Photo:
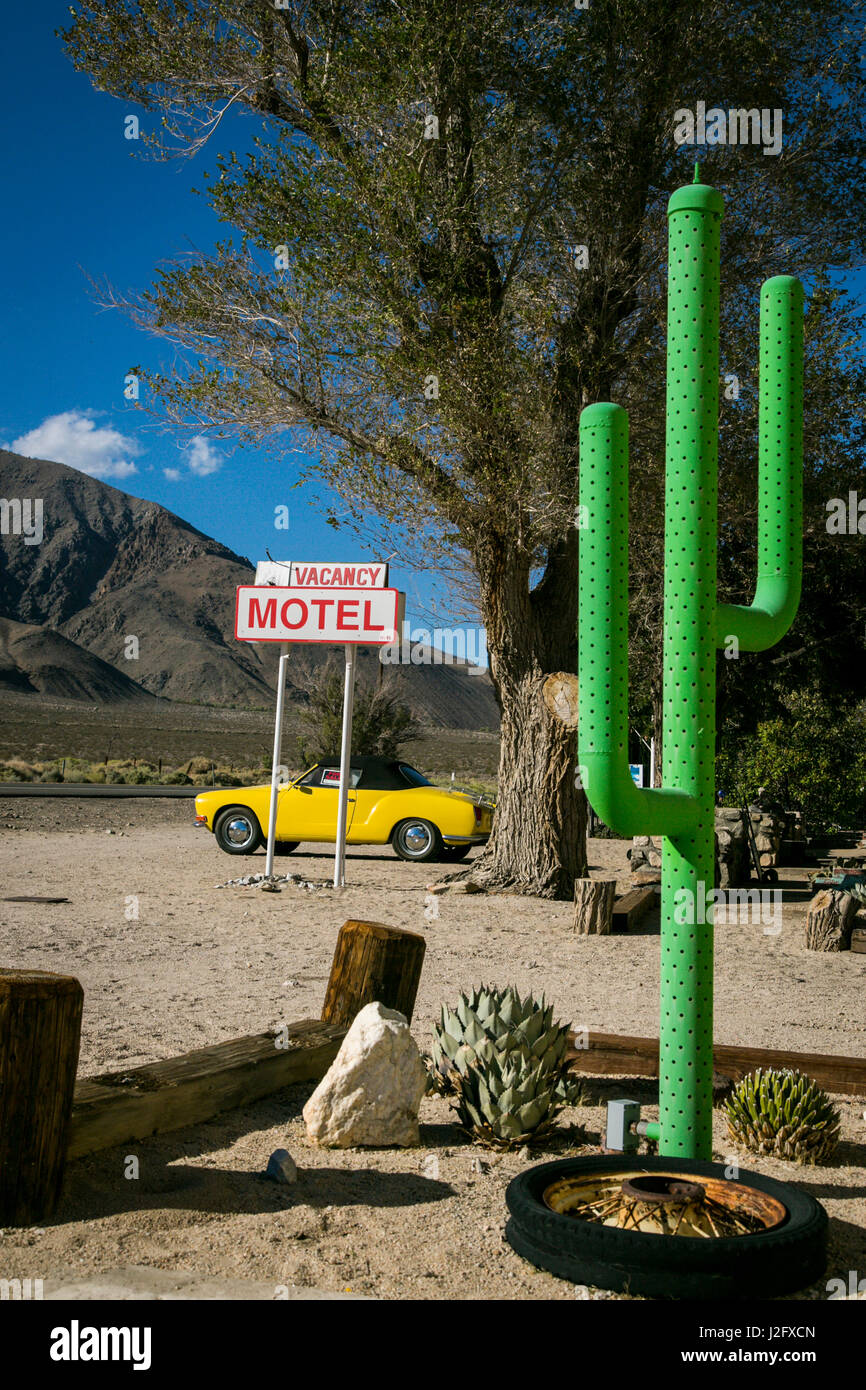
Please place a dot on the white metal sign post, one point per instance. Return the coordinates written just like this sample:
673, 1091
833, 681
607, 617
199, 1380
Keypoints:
345, 768
293, 602
276, 765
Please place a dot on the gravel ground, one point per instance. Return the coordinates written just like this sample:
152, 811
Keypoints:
169, 961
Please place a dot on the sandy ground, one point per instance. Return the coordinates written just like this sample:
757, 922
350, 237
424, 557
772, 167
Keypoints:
170, 962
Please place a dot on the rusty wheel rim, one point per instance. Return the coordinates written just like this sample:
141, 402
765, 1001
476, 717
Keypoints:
671, 1204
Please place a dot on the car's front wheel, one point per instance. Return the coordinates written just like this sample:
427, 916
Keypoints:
417, 839
237, 831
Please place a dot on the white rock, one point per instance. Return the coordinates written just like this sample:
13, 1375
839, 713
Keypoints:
370, 1095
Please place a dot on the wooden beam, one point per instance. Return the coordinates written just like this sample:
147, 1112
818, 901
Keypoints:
610, 1054
40, 1027
373, 963
631, 907
131, 1104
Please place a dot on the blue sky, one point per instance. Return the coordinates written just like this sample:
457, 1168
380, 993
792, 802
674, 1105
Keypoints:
81, 203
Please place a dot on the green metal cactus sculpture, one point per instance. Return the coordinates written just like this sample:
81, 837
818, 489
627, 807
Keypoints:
695, 623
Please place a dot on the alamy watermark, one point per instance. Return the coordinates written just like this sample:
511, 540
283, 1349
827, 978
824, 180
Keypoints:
441, 647
846, 517
739, 126
22, 516
731, 906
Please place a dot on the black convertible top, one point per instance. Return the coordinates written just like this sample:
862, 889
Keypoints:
380, 774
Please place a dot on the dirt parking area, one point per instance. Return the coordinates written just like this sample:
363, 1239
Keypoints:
171, 961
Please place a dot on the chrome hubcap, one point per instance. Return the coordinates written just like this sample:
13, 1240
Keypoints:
416, 838
239, 831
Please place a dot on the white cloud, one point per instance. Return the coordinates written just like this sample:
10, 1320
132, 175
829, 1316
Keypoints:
173, 474
202, 457
74, 439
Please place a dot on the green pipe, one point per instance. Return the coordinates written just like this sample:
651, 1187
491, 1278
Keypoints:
682, 812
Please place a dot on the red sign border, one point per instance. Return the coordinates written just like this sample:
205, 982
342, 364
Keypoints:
278, 590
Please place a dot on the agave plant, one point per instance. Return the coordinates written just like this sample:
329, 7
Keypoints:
503, 1059
783, 1113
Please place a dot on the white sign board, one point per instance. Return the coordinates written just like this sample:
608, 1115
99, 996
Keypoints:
295, 574
368, 617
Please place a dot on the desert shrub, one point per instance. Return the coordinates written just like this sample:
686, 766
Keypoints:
177, 778
19, 771
224, 778
381, 724
196, 767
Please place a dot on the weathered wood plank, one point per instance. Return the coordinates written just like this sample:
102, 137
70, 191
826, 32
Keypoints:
611, 1054
136, 1102
373, 963
632, 907
40, 1027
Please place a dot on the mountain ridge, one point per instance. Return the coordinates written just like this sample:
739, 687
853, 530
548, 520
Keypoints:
111, 567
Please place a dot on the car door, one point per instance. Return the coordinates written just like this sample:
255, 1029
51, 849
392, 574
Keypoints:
307, 810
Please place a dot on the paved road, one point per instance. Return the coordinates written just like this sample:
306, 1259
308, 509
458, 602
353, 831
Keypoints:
93, 789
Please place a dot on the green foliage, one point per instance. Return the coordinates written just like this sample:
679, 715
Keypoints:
381, 725
783, 1113
809, 759
503, 1059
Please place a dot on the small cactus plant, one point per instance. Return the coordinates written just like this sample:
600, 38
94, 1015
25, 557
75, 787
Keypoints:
785, 1114
504, 1060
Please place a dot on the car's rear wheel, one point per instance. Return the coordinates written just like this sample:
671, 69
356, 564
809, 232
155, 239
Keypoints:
237, 831
451, 853
285, 846
418, 840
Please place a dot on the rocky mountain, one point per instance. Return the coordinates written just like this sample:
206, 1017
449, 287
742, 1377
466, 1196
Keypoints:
40, 660
110, 567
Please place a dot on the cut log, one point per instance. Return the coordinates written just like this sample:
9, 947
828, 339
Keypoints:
632, 907
829, 921
373, 963
593, 906
134, 1103
611, 1054
40, 1031
559, 693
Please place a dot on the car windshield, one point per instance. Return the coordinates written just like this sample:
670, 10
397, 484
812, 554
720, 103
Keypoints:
414, 776
322, 776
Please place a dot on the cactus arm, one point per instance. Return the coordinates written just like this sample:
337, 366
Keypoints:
603, 639
780, 476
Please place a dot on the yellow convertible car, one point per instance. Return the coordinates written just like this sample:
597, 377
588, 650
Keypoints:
389, 803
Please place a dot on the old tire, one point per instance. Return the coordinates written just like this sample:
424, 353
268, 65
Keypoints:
782, 1260
237, 830
417, 840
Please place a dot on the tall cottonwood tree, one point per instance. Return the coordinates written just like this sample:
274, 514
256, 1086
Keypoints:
449, 239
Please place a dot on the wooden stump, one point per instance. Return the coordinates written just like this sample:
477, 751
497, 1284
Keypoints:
593, 906
373, 962
829, 921
559, 693
40, 1030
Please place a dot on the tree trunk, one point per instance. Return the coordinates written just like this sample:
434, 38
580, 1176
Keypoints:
593, 906
538, 844
829, 921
